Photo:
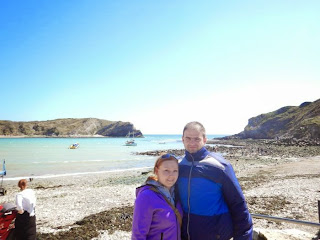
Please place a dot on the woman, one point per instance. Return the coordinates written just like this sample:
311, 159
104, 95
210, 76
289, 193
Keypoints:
25, 223
157, 215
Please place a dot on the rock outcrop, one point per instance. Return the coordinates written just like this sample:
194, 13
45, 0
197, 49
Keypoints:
291, 122
68, 127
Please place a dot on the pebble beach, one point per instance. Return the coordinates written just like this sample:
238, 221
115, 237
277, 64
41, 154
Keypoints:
283, 186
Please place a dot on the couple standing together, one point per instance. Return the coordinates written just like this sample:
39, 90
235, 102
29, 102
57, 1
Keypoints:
198, 199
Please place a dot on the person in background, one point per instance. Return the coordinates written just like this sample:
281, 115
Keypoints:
157, 214
25, 223
213, 203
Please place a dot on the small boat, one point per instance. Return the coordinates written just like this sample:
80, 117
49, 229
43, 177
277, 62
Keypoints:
130, 142
74, 146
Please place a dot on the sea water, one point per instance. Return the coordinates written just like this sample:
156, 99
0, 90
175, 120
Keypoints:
45, 157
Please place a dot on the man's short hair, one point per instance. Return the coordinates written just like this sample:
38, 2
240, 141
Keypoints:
197, 126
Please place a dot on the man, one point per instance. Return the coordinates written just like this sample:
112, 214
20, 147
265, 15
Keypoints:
212, 200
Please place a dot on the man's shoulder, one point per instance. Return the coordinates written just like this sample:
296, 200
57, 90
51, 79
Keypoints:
213, 160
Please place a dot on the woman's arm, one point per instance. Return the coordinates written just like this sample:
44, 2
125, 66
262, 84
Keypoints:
142, 216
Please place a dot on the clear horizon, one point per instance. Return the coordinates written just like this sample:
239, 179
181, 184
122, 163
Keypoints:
158, 65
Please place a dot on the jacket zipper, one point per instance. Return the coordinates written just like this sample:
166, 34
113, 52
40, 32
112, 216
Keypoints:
161, 236
189, 193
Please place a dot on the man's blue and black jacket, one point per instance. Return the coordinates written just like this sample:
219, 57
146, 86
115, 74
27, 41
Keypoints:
212, 200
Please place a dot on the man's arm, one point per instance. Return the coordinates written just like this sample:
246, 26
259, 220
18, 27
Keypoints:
241, 218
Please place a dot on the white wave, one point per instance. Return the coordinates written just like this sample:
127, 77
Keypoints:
70, 161
75, 174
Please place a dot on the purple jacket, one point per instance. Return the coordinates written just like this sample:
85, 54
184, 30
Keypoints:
153, 218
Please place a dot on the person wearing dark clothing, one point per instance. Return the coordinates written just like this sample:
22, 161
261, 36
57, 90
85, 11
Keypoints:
25, 223
213, 203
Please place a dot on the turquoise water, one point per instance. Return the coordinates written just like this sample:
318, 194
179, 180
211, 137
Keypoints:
46, 157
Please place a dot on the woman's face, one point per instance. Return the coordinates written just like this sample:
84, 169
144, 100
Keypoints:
167, 173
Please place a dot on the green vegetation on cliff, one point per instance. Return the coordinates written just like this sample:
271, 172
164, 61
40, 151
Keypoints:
299, 122
68, 127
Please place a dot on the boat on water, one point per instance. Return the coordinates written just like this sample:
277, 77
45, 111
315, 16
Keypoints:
74, 146
130, 142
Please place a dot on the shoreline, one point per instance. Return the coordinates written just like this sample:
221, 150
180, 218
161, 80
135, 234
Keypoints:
74, 174
63, 136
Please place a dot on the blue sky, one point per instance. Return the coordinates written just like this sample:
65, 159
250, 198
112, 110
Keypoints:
157, 64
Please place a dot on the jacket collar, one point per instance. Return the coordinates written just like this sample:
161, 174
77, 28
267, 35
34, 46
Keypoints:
169, 194
197, 156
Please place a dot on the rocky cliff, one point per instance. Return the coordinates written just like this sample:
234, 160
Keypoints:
291, 122
68, 127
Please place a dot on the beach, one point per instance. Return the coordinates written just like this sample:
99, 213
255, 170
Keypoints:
62, 201
99, 205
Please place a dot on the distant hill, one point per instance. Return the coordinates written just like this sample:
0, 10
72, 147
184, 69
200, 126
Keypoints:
298, 122
68, 127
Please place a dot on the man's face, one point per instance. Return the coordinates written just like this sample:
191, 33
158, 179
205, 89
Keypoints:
193, 140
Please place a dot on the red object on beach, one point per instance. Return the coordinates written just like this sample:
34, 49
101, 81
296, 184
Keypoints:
7, 216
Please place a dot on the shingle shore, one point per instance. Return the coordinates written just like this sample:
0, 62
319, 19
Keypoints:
278, 185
